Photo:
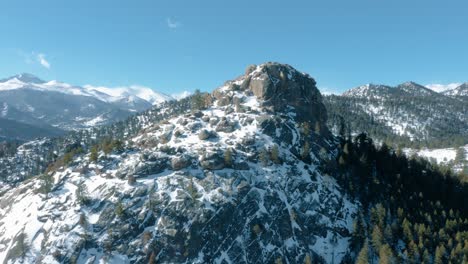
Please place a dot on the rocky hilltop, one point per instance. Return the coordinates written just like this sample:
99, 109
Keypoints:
235, 176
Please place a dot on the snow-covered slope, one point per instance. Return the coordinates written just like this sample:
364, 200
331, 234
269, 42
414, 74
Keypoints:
28, 81
440, 88
459, 91
441, 156
132, 92
27, 99
406, 113
226, 184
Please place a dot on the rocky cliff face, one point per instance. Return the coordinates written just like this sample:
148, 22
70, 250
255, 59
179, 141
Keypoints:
238, 181
281, 88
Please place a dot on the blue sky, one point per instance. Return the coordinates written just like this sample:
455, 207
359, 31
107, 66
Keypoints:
175, 45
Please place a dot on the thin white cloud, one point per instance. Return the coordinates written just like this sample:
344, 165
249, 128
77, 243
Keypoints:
436, 87
173, 24
42, 60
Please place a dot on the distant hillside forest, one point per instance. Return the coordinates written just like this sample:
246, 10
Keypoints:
429, 125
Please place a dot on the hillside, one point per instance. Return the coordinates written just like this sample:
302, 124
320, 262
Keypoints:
409, 115
248, 173
13, 130
30, 101
229, 183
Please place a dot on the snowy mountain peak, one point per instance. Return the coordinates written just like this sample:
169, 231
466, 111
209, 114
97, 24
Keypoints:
411, 84
367, 90
378, 90
105, 94
415, 88
134, 91
56, 104
25, 78
461, 90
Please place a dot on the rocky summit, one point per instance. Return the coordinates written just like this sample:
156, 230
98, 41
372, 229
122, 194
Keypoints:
235, 176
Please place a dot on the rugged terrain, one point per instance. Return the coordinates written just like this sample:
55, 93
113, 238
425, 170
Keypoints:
51, 108
236, 176
409, 115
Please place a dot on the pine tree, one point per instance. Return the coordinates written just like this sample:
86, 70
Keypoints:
318, 128
346, 148
81, 193
377, 238
426, 257
263, 157
93, 157
21, 247
342, 128
460, 157
305, 152
305, 129
68, 158
47, 183
407, 230
107, 146
439, 254
274, 153
152, 258
192, 190
83, 221
363, 256
119, 209
341, 160
118, 145
386, 255
359, 234
131, 179
378, 215
228, 157
198, 100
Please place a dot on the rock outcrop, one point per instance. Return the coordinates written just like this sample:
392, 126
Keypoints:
281, 88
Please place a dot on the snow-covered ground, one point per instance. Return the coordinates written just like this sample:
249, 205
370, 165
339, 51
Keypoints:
442, 155
184, 192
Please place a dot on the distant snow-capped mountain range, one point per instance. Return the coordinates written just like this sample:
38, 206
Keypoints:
452, 89
105, 94
57, 106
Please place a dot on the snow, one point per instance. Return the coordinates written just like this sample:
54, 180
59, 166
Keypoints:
95, 121
332, 247
439, 88
141, 92
101, 93
181, 95
11, 84
35, 214
442, 155
4, 109
461, 90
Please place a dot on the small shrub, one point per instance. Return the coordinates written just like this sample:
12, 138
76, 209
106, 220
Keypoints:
131, 180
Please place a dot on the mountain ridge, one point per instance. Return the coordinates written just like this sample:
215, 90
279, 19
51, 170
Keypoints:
27, 99
408, 114
29, 81
225, 179
247, 173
